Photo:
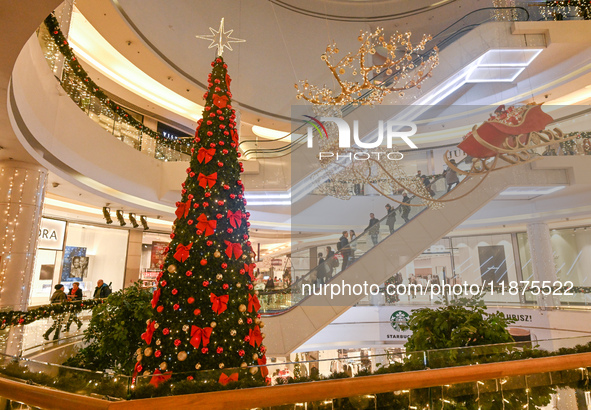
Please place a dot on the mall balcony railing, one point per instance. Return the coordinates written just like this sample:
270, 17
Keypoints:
514, 375
280, 301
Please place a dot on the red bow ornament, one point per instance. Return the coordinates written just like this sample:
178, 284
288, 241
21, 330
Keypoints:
264, 369
253, 302
220, 102
182, 252
235, 218
156, 297
147, 336
199, 335
205, 154
250, 269
228, 81
219, 303
224, 379
233, 248
207, 180
183, 209
206, 226
255, 336
235, 135
159, 377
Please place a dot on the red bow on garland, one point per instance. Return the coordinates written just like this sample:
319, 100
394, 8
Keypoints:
147, 336
228, 81
219, 303
253, 302
206, 226
156, 297
207, 180
250, 269
199, 335
264, 369
233, 248
220, 102
235, 218
255, 336
182, 252
224, 379
205, 154
159, 377
183, 209
235, 135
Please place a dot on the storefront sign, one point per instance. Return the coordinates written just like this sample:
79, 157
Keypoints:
391, 320
52, 234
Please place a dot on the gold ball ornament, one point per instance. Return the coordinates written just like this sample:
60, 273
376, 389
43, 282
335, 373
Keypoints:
171, 268
158, 342
139, 357
257, 321
233, 332
217, 254
239, 285
263, 335
213, 324
221, 366
244, 256
163, 366
262, 324
243, 365
252, 255
240, 321
198, 366
156, 325
148, 351
182, 356
219, 276
138, 351
147, 373
185, 328
242, 308
255, 356
254, 370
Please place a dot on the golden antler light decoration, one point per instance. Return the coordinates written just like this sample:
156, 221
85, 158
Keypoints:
403, 65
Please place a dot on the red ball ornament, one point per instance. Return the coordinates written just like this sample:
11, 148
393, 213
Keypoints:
242, 271
176, 306
240, 352
247, 338
226, 133
212, 145
219, 112
222, 142
221, 118
199, 231
209, 133
224, 265
174, 291
190, 300
203, 262
224, 151
189, 273
163, 283
232, 196
249, 321
159, 309
217, 81
220, 202
239, 155
190, 222
219, 216
220, 164
158, 353
177, 342
206, 204
190, 196
165, 331
204, 350
190, 378
172, 236
209, 122
219, 350
249, 286
209, 243
205, 283
230, 230
195, 205
211, 114
245, 236
226, 187
225, 286
207, 194
197, 312
222, 127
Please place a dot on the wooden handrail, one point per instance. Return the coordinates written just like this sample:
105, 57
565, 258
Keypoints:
299, 392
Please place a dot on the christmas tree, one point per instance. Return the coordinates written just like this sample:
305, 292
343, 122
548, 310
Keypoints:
205, 310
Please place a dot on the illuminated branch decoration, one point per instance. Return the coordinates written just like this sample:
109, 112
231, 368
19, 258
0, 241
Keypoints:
404, 66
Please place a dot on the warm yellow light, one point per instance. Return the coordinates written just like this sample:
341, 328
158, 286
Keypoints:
271, 133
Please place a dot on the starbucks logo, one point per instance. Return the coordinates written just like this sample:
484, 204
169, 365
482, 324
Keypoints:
399, 318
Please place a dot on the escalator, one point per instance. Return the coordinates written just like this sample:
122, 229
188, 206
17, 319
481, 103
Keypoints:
300, 315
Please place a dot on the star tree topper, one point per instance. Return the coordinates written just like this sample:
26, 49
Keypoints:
221, 39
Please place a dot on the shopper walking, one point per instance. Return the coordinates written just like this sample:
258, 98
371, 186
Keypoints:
74, 295
352, 245
373, 229
331, 262
451, 176
390, 217
404, 207
343, 247
58, 296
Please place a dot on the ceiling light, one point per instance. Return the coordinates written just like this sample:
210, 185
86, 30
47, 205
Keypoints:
120, 217
107, 215
271, 133
133, 220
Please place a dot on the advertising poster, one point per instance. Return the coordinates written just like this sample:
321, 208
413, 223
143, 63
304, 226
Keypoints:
158, 254
74, 264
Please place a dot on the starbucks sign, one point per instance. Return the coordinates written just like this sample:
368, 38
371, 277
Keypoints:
398, 319
391, 320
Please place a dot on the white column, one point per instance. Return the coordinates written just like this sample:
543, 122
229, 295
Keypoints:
542, 259
22, 190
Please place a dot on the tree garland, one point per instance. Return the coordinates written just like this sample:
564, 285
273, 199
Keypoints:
16, 317
70, 59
